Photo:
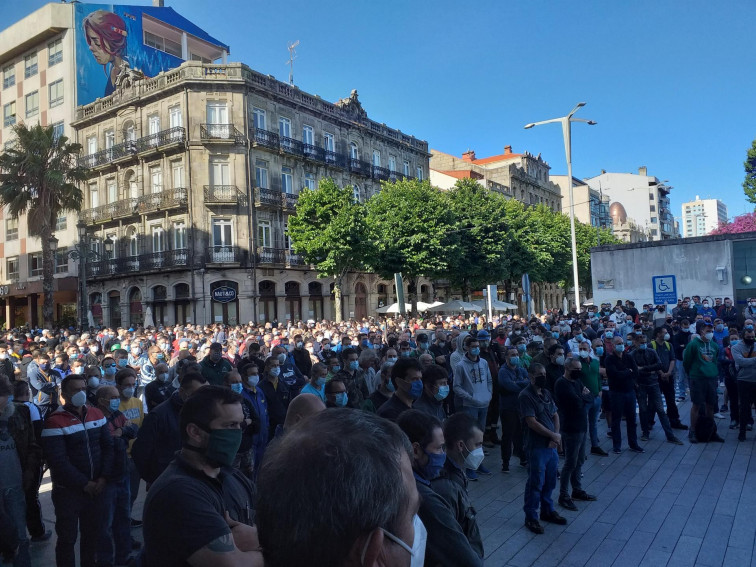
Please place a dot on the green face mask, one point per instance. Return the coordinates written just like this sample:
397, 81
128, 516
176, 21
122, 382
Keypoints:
222, 447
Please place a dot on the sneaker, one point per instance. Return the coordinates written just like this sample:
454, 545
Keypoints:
679, 425
675, 441
566, 502
534, 526
471, 474
617, 451
505, 469
136, 523
644, 437
40, 538
599, 451
692, 439
719, 415
583, 495
637, 450
609, 434
734, 424
484, 471
553, 517
724, 409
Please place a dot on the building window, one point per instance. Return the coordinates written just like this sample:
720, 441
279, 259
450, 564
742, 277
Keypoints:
32, 104
177, 173
261, 174
9, 76
54, 52
153, 124
133, 243
179, 235
650, 196
309, 181
9, 114
308, 135
61, 223
259, 118
35, 264
158, 239
56, 93
354, 151
58, 130
11, 229
222, 232
94, 197
156, 180
419, 173
329, 142
287, 180
376, 158
653, 220
219, 173
92, 145
162, 44
174, 117
11, 268
263, 234
392, 164
356, 193
284, 131
30, 65
112, 190
406, 169
652, 208
61, 261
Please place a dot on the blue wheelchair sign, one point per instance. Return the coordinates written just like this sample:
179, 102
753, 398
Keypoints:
665, 290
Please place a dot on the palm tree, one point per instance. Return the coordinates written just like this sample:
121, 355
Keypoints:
39, 177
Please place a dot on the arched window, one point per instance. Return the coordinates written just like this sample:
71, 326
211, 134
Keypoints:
354, 151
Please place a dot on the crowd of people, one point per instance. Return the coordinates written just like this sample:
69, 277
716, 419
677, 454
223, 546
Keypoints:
322, 443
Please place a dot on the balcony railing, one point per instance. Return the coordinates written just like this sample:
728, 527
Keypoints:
165, 259
313, 152
221, 133
266, 255
152, 202
143, 262
265, 138
224, 194
333, 158
381, 173
293, 259
175, 135
267, 197
360, 167
291, 146
289, 201
113, 153
224, 255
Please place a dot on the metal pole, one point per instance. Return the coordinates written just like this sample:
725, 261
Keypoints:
83, 277
566, 131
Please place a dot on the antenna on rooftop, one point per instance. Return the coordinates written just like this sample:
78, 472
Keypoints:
290, 62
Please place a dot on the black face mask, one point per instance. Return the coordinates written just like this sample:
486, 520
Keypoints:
541, 382
749, 341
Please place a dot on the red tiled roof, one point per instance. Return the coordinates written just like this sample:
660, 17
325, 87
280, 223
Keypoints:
494, 159
462, 173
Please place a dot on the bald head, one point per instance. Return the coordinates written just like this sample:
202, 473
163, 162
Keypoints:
301, 407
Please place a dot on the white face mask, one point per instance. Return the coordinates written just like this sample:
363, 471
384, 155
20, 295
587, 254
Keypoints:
417, 551
474, 458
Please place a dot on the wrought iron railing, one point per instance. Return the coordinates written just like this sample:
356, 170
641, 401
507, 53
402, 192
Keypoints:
265, 138
289, 201
224, 255
221, 132
267, 197
221, 194
291, 146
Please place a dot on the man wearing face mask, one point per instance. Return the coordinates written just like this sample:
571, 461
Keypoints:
700, 362
555, 366
512, 379
159, 436
290, 374
354, 378
148, 372
473, 384
406, 378
385, 388
435, 391
744, 358
160, 389
464, 450
573, 400
336, 395
199, 512
250, 425
706, 310
541, 442
44, 381
591, 378
256, 398
133, 410
666, 374
214, 366
79, 451
622, 373
447, 544
301, 356
317, 382
680, 340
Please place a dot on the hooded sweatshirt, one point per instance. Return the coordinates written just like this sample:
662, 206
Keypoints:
473, 383
454, 359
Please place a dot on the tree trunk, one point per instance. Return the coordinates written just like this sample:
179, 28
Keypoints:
337, 300
412, 291
465, 289
48, 270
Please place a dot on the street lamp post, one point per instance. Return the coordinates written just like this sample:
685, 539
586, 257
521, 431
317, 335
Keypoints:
83, 253
566, 122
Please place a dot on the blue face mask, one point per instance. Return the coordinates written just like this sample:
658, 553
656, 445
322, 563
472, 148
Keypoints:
619, 348
275, 371
341, 399
354, 365
114, 404
521, 348
475, 351
555, 334
748, 327
609, 334
599, 351
416, 389
423, 346
435, 463
122, 363
110, 370
406, 353
734, 342
515, 360
642, 346
443, 391
336, 369
237, 387
320, 381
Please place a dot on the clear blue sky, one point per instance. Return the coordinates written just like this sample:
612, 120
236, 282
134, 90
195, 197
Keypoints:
670, 83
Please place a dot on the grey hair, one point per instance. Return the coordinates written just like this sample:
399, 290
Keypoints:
368, 355
354, 485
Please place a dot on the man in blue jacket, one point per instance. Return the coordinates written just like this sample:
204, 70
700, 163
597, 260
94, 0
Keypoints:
79, 451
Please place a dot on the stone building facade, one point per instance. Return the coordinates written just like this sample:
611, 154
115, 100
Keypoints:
194, 174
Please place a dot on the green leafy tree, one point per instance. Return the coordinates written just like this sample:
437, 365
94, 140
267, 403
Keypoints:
749, 184
586, 238
412, 231
39, 178
488, 252
329, 231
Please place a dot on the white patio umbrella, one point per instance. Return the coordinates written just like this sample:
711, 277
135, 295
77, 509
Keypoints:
393, 308
148, 321
455, 305
495, 305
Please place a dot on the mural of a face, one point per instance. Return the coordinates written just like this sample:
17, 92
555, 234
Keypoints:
100, 55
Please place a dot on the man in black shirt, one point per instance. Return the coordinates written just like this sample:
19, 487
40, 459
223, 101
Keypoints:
407, 379
622, 373
199, 512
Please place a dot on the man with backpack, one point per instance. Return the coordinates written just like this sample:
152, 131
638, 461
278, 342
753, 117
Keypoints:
700, 363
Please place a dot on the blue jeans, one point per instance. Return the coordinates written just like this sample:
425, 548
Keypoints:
593, 412
623, 404
650, 403
13, 524
75, 512
574, 457
114, 545
479, 415
542, 472
681, 379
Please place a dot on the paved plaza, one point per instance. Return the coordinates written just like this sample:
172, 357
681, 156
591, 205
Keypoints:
674, 506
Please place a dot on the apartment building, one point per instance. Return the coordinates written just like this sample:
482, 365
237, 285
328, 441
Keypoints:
702, 216
194, 174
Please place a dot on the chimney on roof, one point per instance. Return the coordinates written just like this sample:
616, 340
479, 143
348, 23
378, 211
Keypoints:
603, 171
158, 3
507, 150
643, 170
469, 155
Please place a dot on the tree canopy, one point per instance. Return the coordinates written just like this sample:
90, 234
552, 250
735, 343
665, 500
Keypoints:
749, 183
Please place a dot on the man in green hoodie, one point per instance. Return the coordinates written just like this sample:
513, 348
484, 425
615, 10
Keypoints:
700, 363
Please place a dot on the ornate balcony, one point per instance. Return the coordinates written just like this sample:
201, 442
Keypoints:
266, 255
293, 259
176, 135
359, 167
221, 133
111, 211
224, 255
166, 260
164, 200
381, 173
289, 201
313, 152
267, 198
109, 155
334, 159
291, 146
264, 138
224, 195
150, 203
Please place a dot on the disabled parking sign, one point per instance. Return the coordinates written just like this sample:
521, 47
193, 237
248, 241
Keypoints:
665, 290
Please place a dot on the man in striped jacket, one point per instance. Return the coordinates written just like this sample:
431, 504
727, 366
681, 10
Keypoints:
79, 451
